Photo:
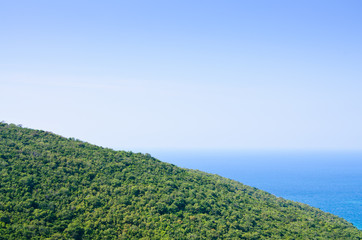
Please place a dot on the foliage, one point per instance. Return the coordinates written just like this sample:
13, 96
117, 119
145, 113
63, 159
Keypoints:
52, 187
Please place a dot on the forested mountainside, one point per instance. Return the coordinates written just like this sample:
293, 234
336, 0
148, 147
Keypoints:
52, 187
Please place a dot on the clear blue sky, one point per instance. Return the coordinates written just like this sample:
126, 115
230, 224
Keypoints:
143, 75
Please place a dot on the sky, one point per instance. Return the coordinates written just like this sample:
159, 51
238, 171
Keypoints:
226, 75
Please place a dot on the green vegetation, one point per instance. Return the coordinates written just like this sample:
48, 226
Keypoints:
52, 187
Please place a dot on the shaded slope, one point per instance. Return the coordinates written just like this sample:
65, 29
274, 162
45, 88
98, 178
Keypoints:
58, 188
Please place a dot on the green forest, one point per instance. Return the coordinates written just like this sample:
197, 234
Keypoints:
53, 187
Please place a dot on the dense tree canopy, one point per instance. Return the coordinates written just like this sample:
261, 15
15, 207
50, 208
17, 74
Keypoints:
52, 187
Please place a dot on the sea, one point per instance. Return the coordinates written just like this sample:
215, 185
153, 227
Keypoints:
330, 181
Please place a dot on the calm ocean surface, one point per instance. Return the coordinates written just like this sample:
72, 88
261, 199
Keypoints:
331, 181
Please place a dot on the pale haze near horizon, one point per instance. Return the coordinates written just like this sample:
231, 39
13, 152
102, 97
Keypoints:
142, 75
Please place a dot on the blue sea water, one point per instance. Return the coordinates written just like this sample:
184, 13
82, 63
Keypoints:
330, 181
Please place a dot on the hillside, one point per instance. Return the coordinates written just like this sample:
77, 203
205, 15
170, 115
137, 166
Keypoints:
52, 187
